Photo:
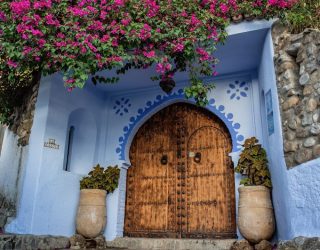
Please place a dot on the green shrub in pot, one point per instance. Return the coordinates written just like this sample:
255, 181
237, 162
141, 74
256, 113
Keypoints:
100, 178
91, 216
253, 164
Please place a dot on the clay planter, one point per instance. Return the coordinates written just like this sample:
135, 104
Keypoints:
91, 216
255, 213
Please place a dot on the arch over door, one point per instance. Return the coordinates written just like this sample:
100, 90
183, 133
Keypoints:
181, 182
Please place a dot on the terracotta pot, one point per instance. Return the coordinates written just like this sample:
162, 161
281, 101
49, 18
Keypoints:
91, 216
255, 213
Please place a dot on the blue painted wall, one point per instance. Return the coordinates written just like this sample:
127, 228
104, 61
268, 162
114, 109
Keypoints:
296, 192
104, 128
109, 121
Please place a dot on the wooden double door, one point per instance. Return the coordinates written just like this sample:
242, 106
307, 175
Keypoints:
181, 182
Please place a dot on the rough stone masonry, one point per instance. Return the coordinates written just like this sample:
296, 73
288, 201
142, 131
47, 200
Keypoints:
297, 63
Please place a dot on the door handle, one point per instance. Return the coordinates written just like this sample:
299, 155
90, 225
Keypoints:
164, 160
197, 157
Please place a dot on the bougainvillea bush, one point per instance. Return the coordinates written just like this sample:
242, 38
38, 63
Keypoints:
82, 37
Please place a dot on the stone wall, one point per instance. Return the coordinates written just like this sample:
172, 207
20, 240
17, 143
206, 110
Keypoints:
297, 63
23, 117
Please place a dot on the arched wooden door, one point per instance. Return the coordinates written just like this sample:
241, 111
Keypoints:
181, 182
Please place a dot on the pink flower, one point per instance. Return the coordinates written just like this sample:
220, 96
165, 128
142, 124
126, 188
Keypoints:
2, 16
12, 64
145, 32
50, 20
83, 50
281, 3
61, 44
125, 22
224, 8
41, 42
204, 55
179, 47
103, 15
36, 32
93, 48
78, 11
184, 14
60, 35
149, 54
42, 4
96, 25
163, 67
92, 9
195, 21
115, 43
119, 2
105, 38
70, 81
20, 7
153, 8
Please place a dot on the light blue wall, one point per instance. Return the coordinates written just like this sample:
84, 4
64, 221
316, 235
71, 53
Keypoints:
304, 189
108, 123
296, 192
273, 143
241, 117
83, 142
50, 195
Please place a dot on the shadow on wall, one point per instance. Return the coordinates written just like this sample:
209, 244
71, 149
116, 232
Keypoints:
80, 142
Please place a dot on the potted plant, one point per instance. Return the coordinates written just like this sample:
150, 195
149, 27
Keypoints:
91, 216
255, 212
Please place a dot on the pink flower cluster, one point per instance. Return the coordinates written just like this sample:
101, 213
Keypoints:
204, 55
282, 3
93, 35
20, 8
145, 32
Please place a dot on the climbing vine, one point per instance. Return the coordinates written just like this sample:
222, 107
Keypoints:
80, 38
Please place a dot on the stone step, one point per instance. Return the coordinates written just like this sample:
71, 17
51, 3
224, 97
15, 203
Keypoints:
32, 242
172, 244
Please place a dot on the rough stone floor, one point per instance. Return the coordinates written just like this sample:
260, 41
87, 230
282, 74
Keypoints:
32, 242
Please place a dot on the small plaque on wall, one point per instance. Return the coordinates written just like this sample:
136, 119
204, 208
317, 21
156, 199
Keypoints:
51, 144
269, 109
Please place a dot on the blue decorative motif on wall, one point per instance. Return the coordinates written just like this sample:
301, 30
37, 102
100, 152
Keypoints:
238, 89
122, 106
219, 111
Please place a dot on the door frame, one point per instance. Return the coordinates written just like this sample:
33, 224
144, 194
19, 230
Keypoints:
126, 164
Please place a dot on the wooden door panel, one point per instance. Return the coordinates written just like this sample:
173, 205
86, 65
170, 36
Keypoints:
180, 197
208, 200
